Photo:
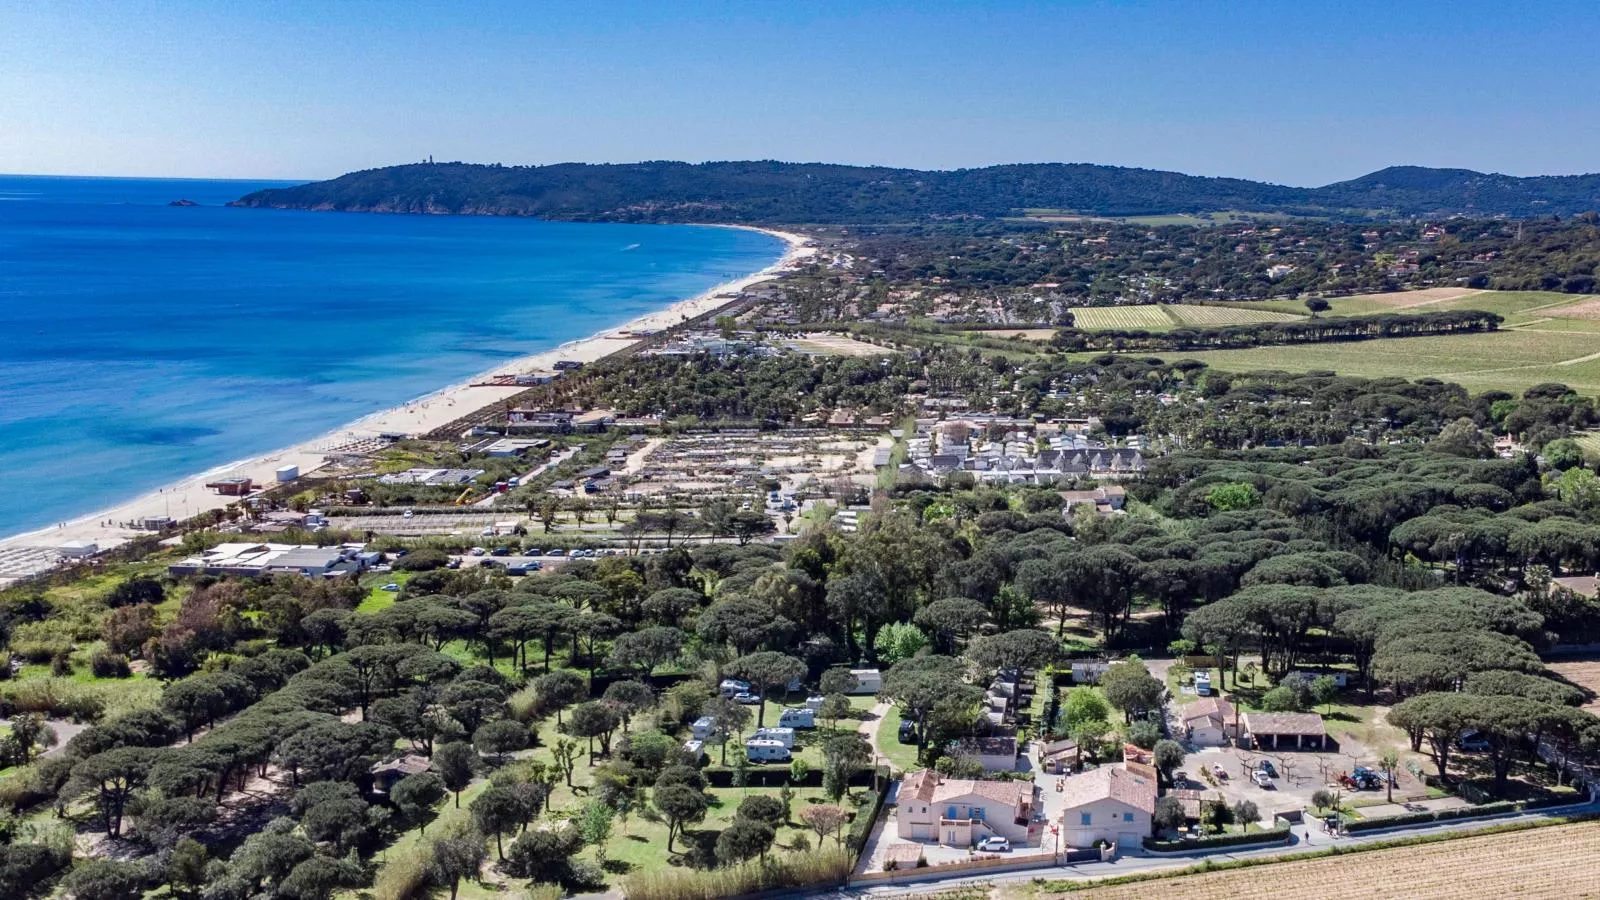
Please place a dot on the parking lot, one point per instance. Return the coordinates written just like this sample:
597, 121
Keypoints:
1299, 775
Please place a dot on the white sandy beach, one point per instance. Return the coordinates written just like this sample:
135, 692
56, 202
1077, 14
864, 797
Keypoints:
190, 497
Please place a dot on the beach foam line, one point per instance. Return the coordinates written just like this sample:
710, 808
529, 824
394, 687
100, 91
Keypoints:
188, 496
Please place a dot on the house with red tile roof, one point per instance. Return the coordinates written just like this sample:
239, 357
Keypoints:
959, 812
1112, 803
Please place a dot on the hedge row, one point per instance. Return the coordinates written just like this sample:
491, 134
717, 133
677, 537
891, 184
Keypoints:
1445, 815
1206, 842
862, 826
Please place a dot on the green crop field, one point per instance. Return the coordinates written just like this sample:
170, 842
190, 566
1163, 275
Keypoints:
1515, 306
1510, 360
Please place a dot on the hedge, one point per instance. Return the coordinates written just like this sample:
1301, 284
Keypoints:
776, 777
1207, 842
861, 828
1459, 812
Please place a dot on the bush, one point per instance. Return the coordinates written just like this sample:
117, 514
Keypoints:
109, 665
40, 642
1275, 833
788, 870
1459, 812
425, 560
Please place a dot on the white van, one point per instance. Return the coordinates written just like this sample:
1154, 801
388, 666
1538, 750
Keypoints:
798, 718
731, 687
814, 702
784, 736
762, 750
703, 728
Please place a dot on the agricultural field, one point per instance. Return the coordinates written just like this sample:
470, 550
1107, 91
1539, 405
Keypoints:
1510, 360
1217, 316
1500, 865
1583, 672
1148, 317
1165, 317
1518, 307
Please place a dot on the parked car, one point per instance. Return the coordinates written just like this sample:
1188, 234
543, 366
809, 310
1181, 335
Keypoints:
454, 563
1266, 766
477, 551
557, 552
533, 552
747, 698
1472, 741
391, 586
500, 551
995, 844
1262, 779
1219, 771
407, 514
908, 732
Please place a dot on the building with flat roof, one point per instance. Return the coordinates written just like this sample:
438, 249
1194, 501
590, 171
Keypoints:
257, 559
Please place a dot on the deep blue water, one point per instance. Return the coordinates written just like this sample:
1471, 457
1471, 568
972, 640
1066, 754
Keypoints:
141, 343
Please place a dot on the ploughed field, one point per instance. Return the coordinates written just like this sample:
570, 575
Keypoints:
1558, 861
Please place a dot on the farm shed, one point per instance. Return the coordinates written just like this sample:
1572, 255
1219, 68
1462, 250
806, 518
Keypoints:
1285, 731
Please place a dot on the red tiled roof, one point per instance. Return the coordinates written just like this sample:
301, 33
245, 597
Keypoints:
929, 786
1110, 783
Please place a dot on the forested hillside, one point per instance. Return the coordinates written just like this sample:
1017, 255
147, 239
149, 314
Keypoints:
766, 191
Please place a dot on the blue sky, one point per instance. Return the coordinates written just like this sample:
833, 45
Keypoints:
1290, 92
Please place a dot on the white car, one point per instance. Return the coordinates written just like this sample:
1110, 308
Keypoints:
391, 586
995, 845
1261, 779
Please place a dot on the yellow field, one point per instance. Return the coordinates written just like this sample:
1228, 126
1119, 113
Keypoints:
1228, 315
1148, 317
1165, 317
1559, 861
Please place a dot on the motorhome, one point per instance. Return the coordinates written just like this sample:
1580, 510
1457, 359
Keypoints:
784, 736
763, 750
798, 718
703, 728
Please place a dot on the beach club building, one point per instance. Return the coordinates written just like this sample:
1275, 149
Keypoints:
253, 560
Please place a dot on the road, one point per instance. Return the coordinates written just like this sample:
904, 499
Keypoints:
1303, 842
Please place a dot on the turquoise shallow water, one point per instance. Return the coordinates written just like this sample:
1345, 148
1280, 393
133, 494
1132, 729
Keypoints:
140, 342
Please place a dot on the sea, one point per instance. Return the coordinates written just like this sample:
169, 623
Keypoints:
141, 342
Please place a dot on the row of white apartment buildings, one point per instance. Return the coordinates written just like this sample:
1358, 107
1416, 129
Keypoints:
1020, 452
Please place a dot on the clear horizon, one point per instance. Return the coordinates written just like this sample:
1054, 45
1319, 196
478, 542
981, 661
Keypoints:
303, 91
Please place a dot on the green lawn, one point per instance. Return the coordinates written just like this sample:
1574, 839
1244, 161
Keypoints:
902, 757
378, 599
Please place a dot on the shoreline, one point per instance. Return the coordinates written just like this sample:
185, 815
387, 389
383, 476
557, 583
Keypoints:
188, 496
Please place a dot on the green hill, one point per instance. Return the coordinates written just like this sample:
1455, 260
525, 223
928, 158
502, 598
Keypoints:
774, 192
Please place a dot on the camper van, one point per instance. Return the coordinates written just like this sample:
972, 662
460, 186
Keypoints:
762, 750
784, 736
1202, 683
798, 718
694, 752
814, 702
703, 728
731, 687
